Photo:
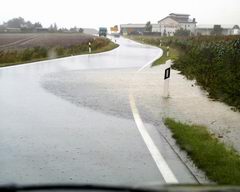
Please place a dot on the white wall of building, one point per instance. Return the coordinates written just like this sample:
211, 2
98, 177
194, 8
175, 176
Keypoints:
156, 28
236, 31
170, 26
189, 26
226, 30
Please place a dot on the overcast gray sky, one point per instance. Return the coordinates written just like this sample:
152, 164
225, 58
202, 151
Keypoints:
95, 13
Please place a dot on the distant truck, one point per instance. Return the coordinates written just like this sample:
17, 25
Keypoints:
102, 31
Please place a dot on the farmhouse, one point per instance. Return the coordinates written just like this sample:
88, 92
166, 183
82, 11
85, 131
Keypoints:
166, 26
174, 21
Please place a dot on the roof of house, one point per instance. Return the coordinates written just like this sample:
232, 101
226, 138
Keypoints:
132, 26
211, 26
204, 27
179, 14
180, 18
229, 26
236, 27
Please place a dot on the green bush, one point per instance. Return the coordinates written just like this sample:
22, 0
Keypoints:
215, 64
214, 61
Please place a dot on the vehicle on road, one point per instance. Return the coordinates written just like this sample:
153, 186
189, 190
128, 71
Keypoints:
102, 31
116, 35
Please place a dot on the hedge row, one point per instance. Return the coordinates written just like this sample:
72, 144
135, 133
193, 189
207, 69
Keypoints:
214, 61
215, 64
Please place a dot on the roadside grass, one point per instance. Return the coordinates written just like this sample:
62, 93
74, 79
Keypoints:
108, 47
20, 63
173, 55
151, 40
220, 163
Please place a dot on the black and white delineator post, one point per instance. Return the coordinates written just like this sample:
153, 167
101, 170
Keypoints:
167, 78
167, 51
89, 47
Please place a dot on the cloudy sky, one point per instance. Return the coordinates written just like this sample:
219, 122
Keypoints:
95, 13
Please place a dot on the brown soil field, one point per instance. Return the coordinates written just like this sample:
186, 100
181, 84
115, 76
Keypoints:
19, 41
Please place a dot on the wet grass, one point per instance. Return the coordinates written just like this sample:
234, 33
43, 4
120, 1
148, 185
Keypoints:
220, 163
173, 55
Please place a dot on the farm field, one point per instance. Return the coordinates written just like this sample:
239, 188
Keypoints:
16, 41
22, 48
7, 39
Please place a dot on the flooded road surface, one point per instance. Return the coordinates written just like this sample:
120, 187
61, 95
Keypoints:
69, 121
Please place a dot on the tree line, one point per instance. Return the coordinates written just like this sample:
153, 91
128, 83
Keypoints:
20, 25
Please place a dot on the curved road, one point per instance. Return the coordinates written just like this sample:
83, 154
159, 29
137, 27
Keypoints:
68, 120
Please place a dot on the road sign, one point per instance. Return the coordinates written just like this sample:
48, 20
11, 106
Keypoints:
167, 73
114, 29
167, 79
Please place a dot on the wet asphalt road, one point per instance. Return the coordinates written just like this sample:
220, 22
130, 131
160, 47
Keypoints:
69, 121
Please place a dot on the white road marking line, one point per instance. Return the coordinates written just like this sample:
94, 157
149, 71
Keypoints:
162, 165
150, 62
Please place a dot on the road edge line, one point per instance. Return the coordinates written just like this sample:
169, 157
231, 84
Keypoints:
162, 165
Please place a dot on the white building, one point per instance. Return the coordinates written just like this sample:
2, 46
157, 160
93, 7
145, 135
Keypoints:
204, 29
236, 30
226, 29
128, 29
156, 28
173, 22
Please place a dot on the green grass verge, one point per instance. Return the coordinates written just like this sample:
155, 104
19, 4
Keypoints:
110, 46
173, 52
173, 55
220, 163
